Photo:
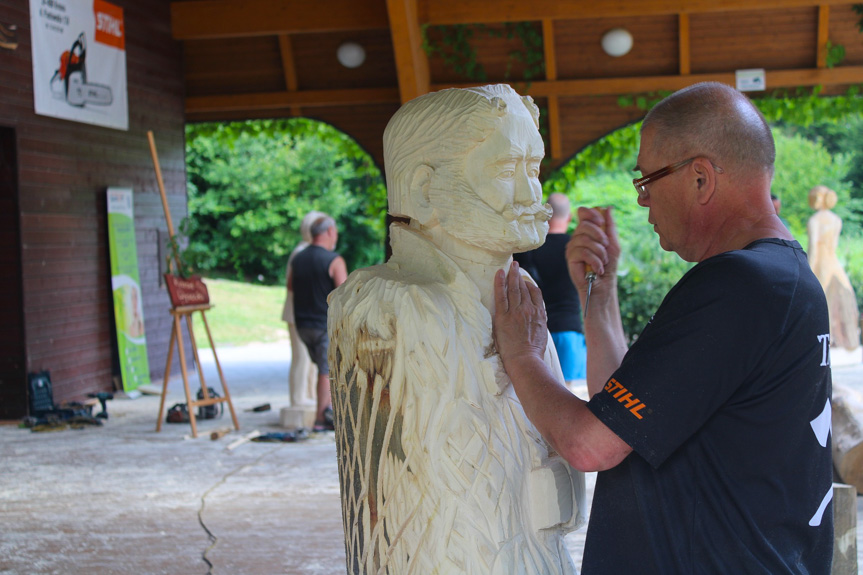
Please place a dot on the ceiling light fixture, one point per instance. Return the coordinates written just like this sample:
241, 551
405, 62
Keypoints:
617, 42
351, 55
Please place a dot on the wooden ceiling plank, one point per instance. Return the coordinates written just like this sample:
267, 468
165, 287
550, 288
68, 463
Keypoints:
613, 86
488, 11
823, 34
548, 48
411, 61
683, 39
202, 19
288, 66
283, 100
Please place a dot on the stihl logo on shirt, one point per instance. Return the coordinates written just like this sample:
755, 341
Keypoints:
624, 396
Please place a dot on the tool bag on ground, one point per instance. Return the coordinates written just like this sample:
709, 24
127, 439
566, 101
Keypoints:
209, 411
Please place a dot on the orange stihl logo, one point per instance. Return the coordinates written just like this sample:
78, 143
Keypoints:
623, 395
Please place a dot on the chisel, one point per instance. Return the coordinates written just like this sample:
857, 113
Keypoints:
589, 274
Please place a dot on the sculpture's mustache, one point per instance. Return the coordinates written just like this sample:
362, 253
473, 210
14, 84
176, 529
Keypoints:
541, 212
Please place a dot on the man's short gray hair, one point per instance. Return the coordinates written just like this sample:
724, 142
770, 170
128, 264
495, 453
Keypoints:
321, 225
715, 120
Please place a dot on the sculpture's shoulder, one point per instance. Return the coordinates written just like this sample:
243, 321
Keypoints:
380, 297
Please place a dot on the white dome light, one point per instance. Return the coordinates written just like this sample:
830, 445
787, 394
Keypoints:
617, 42
351, 55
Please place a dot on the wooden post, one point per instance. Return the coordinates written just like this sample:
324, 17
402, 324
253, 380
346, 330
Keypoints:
847, 444
844, 530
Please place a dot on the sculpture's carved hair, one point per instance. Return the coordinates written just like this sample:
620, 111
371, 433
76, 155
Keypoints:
716, 120
822, 198
440, 129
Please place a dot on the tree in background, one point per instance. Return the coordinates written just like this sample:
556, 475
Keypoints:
251, 183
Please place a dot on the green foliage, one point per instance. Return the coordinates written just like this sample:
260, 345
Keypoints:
805, 106
859, 9
850, 253
251, 183
835, 54
802, 164
454, 47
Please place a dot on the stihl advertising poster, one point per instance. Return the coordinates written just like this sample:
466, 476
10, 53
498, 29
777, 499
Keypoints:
79, 61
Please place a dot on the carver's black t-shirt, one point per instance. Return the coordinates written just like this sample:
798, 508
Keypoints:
724, 399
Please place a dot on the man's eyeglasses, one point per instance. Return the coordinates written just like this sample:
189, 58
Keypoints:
641, 183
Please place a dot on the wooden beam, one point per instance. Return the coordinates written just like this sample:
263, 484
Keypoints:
551, 74
411, 61
823, 34
202, 19
683, 42
287, 50
488, 11
614, 86
282, 100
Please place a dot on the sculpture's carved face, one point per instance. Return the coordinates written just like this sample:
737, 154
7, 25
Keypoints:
495, 202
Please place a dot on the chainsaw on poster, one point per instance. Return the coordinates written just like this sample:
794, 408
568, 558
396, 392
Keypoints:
69, 81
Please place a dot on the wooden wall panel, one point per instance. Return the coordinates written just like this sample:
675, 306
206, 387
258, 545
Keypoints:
844, 30
64, 170
586, 119
770, 39
580, 55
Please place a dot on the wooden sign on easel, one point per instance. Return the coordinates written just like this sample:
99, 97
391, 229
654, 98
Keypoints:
184, 307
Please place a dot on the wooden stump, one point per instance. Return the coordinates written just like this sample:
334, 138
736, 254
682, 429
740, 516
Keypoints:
847, 444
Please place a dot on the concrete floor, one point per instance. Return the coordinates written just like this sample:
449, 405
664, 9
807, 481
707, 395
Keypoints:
123, 499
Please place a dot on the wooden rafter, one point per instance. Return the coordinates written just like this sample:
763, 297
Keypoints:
553, 104
285, 100
539, 89
490, 11
823, 34
201, 19
289, 68
616, 86
411, 61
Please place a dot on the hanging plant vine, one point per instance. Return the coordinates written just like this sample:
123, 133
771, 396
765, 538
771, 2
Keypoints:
457, 52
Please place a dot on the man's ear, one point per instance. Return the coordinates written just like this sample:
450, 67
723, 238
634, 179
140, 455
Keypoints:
705, 179
419, 193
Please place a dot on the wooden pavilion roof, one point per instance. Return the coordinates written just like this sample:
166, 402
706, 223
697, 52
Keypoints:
248, 59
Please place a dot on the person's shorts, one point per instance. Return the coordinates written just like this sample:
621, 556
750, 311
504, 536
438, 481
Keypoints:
572, 354
317, 342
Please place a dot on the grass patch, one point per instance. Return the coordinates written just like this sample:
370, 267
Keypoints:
242, 313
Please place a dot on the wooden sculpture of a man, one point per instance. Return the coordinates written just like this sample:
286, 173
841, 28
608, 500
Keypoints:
440, 469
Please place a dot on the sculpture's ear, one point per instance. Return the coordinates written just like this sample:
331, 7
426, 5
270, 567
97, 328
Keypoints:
419, 193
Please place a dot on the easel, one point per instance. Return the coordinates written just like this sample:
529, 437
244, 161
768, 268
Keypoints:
185, 311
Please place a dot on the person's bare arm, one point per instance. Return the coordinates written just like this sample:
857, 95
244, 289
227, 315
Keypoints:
338, 271
595, 242
520, 334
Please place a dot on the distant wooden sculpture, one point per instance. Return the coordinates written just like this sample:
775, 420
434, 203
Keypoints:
441, 471
824, 228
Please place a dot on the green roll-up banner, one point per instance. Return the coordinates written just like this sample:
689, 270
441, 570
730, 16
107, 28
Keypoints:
128, 307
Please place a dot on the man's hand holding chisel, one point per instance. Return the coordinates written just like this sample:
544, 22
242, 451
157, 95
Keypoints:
592, 255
